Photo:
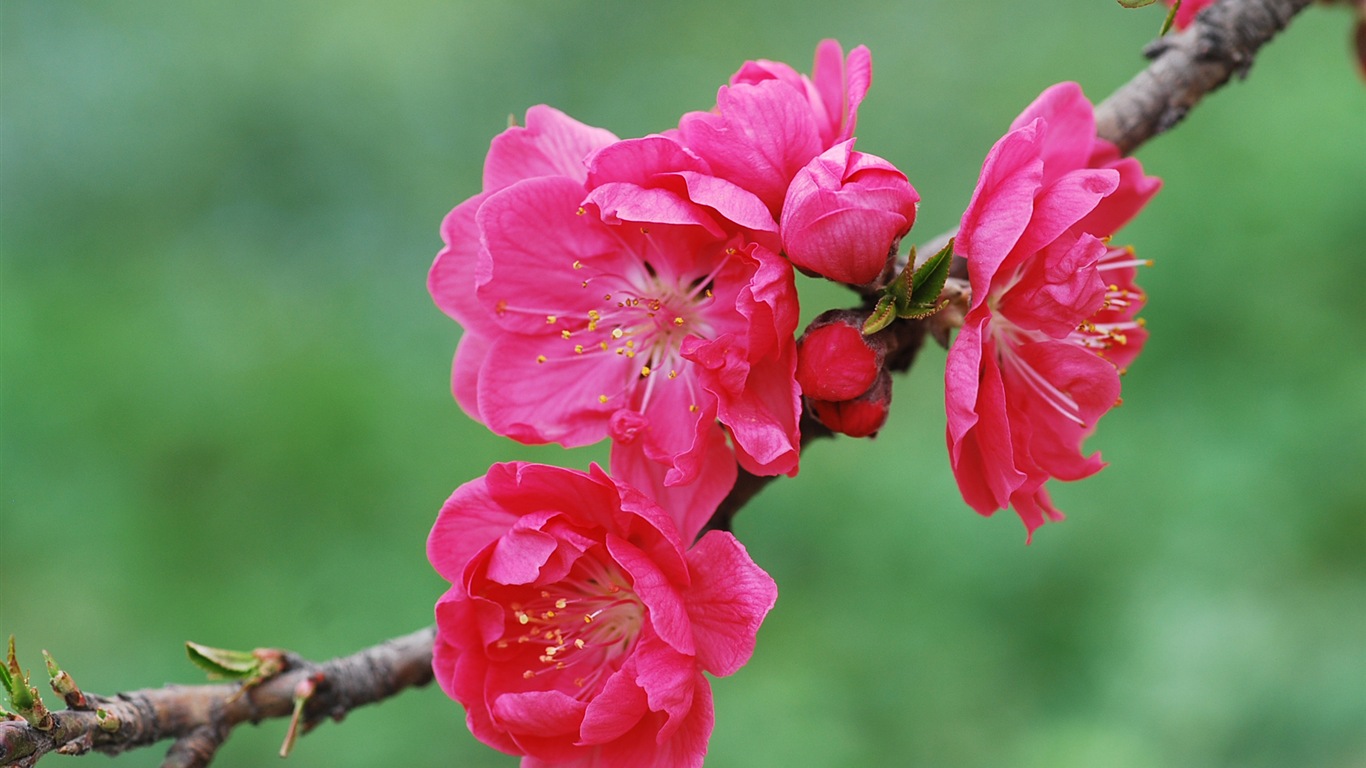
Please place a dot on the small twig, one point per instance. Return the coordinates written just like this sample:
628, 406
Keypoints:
1222, 42
199, 718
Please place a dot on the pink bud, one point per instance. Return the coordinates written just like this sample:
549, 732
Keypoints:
845, 213
834, 361
862, 416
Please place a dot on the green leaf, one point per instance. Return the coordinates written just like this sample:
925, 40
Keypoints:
223, 664
1171, 19
883, 315
928, 281
1135, 3
921, 311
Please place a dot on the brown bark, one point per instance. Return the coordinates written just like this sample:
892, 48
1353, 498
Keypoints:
200, 717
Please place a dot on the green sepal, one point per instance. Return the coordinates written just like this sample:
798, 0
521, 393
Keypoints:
16, 682
928, 282
223, 664
1135, 3
883, 315
1171, 18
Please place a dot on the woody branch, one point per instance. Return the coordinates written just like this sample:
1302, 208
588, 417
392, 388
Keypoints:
1184, 68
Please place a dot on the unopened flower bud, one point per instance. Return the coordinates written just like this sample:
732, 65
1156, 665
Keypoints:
862, 416
834, 360
845, 213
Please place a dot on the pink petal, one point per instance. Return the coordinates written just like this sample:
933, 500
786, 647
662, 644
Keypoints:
638, 161
983, 462
539, 713
1070, 131
551, 144
850, 245
1092, 382
1057, 289
470, 520
661, 598
621, 201
731, 201
469, 358
557, 400
616, 709
520, 553
858, 74
690, 504
1061, 204
1134, 191
729, 598
451, 280
763, 135
533, 236
962, 374
1001, 206
587, 499
668, 678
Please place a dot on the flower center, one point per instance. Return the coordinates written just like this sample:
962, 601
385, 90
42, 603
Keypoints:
642, 315
586, 623
1098, 334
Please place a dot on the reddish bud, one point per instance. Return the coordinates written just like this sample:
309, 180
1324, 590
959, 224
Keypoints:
845, 213
834, 360
862, 416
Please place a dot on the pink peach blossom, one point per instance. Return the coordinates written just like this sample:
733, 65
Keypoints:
770, 120
1053, 307
629, 294
845, 213
577, 627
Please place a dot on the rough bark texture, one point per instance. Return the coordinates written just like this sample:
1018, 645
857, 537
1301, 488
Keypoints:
200, 717
1187, 65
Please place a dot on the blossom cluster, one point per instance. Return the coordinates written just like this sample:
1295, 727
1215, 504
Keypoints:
642, 291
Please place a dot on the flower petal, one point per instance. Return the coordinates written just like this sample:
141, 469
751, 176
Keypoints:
763, 135
661, 597
551, 144
470, 520
1001, 206
690, 503
729, 598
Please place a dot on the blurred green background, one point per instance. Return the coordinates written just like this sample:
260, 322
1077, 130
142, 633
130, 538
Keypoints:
226, 417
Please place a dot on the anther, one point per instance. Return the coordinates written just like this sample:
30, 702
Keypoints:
540, 358
550, 319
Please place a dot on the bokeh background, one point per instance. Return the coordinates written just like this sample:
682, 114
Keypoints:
225, 411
